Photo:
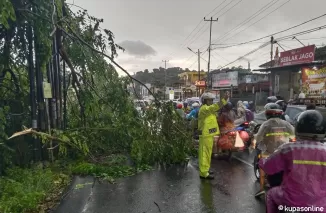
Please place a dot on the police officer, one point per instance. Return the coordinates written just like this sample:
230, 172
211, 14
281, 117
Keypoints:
208, 128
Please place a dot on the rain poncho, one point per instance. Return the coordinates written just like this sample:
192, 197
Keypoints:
208, 128
273, 133
181, 113
226, 120
241, 113
303, 185
193, 113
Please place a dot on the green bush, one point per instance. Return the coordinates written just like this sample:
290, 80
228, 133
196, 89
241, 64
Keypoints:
22, 190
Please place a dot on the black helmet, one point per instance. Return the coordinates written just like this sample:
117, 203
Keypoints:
272, 106
311, 125
282, 104
229, 105
273, 110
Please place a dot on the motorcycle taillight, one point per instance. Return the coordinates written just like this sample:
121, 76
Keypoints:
231, 133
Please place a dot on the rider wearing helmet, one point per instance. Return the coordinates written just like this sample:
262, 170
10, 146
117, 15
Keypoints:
208, 128
193, 116
226, 118
180, 111
194, 112
303, 164
282, 104
271, 99
246, 104
275, 131
251, 106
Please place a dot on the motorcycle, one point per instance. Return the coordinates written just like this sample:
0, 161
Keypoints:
226, 142
258, 156
273, 181
244, 136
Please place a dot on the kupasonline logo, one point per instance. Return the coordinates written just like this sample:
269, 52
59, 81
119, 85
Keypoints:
301, 209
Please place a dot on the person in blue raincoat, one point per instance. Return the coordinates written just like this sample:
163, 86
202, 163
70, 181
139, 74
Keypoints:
194, 111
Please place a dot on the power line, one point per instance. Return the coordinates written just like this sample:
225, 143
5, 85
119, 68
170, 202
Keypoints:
231, 7
298, 25
264, 8
201, 21
222, 8
215, 8
192, 41
259, 19
280, 39
249, 53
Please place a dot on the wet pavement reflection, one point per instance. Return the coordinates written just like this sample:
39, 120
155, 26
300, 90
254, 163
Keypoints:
174, 189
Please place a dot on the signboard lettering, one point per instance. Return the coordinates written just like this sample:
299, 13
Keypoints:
297, 56
200, 83
225, 79
313, 82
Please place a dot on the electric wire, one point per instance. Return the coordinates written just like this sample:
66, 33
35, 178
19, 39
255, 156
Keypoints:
258, 20
264, 8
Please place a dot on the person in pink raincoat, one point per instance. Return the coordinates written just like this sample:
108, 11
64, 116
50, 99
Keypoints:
304, 167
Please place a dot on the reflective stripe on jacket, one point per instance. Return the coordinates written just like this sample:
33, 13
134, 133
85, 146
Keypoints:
207, 122
304, 166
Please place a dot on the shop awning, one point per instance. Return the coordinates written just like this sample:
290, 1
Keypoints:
291, 67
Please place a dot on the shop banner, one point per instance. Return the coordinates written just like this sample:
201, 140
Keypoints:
297, 56
314, 82
200, 83
225, 79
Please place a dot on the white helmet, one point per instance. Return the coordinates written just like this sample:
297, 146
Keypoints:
195, 104
207, 95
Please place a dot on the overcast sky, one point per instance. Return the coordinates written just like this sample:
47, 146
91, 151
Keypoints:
156, 30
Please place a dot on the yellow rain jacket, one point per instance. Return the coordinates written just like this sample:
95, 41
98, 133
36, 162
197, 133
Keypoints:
207, 122
208, 128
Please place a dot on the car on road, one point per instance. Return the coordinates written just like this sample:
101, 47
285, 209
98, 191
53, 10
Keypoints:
292, 113
192, 100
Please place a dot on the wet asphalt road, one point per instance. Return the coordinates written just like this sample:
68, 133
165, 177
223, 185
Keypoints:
176, 189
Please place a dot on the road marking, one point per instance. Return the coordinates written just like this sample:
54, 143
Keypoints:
243, 161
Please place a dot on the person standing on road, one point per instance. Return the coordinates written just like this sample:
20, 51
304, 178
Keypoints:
208, 128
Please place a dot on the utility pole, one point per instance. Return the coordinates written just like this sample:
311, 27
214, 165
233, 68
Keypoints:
270, 80
198, 64
209, 46
165, 61
198, 54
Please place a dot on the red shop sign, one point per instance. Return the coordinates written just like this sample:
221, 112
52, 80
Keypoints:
200, 83
297, 56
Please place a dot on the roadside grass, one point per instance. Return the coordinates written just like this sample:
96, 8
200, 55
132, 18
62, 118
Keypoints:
40, 189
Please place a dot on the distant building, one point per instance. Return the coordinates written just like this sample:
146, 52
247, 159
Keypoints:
189, 80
